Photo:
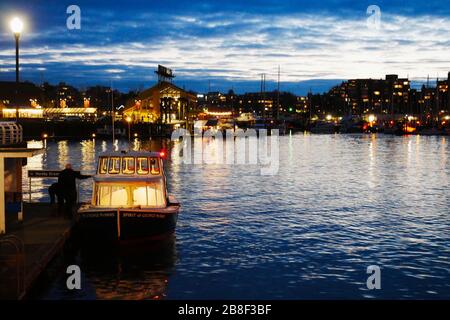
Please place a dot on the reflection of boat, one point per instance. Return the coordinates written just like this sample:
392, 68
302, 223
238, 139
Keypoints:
129, 200
137, 273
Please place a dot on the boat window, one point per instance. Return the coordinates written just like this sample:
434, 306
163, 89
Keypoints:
140, 196
114, 165
112, 196
119, 196
155, 195
142, 165
149, 195
104, 196
154, 166
128, 165
103, 165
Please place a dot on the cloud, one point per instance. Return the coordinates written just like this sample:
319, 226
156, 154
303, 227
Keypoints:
230, 46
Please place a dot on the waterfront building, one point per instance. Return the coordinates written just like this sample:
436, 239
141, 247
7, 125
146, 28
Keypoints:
442, 98
219, 103
162, 103
25, 94
302, 105
389, 96
43, 102
50, 113
448, 93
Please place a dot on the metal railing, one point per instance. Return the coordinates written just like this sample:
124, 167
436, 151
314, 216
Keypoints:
18, 257
10, 133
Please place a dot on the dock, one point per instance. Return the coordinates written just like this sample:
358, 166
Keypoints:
29, 246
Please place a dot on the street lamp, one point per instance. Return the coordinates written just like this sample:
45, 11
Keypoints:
128, 119
16, 27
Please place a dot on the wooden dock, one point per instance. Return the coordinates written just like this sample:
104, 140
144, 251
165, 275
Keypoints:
29, 246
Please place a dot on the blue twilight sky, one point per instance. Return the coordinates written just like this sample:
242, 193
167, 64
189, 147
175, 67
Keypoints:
226, 44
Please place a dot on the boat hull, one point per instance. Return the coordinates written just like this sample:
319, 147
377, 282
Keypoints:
128, 225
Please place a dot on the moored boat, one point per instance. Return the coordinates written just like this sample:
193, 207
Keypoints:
324, 127
129, 199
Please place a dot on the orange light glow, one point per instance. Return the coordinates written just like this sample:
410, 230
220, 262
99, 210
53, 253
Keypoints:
409, 129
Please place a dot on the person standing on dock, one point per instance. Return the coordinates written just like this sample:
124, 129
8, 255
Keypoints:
68, 188
55, 195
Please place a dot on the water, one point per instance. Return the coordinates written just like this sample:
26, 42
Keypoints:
339, 204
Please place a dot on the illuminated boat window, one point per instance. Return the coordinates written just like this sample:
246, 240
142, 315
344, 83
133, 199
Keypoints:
142, 165
128, 165
148, 195
114, 165
154, 166
103, 165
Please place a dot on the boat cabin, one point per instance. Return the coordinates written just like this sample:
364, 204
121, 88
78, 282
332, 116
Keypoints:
130, 180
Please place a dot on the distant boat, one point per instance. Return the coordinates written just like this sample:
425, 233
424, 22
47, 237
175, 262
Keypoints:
130, 200
247, 117
106, 131
324, 127
353, 124
260, 124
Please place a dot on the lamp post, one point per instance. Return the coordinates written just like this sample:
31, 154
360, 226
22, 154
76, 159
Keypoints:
17, 27
129, 128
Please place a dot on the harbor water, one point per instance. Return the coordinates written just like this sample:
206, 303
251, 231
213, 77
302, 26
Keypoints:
338, 204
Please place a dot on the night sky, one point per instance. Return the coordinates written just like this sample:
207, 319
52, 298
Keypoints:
227, 43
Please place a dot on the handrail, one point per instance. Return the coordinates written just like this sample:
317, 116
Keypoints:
19, 247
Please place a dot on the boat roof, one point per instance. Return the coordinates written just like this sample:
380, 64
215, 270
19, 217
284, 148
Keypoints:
154, 154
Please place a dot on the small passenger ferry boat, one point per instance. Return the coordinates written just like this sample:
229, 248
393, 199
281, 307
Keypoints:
129, 199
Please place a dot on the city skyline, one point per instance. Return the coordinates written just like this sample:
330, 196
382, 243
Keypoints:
223, 46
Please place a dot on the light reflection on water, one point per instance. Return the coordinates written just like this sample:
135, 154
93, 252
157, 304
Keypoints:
338, 204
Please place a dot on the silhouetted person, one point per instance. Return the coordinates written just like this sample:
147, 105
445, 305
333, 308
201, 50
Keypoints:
55, 194
68, 188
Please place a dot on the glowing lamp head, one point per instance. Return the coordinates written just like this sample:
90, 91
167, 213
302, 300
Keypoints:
371, 118
162, 154
44, 135
128, 119
329, 117
16, 25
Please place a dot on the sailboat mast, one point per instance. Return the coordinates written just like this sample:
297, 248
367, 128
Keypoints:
113, 114
278, 94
